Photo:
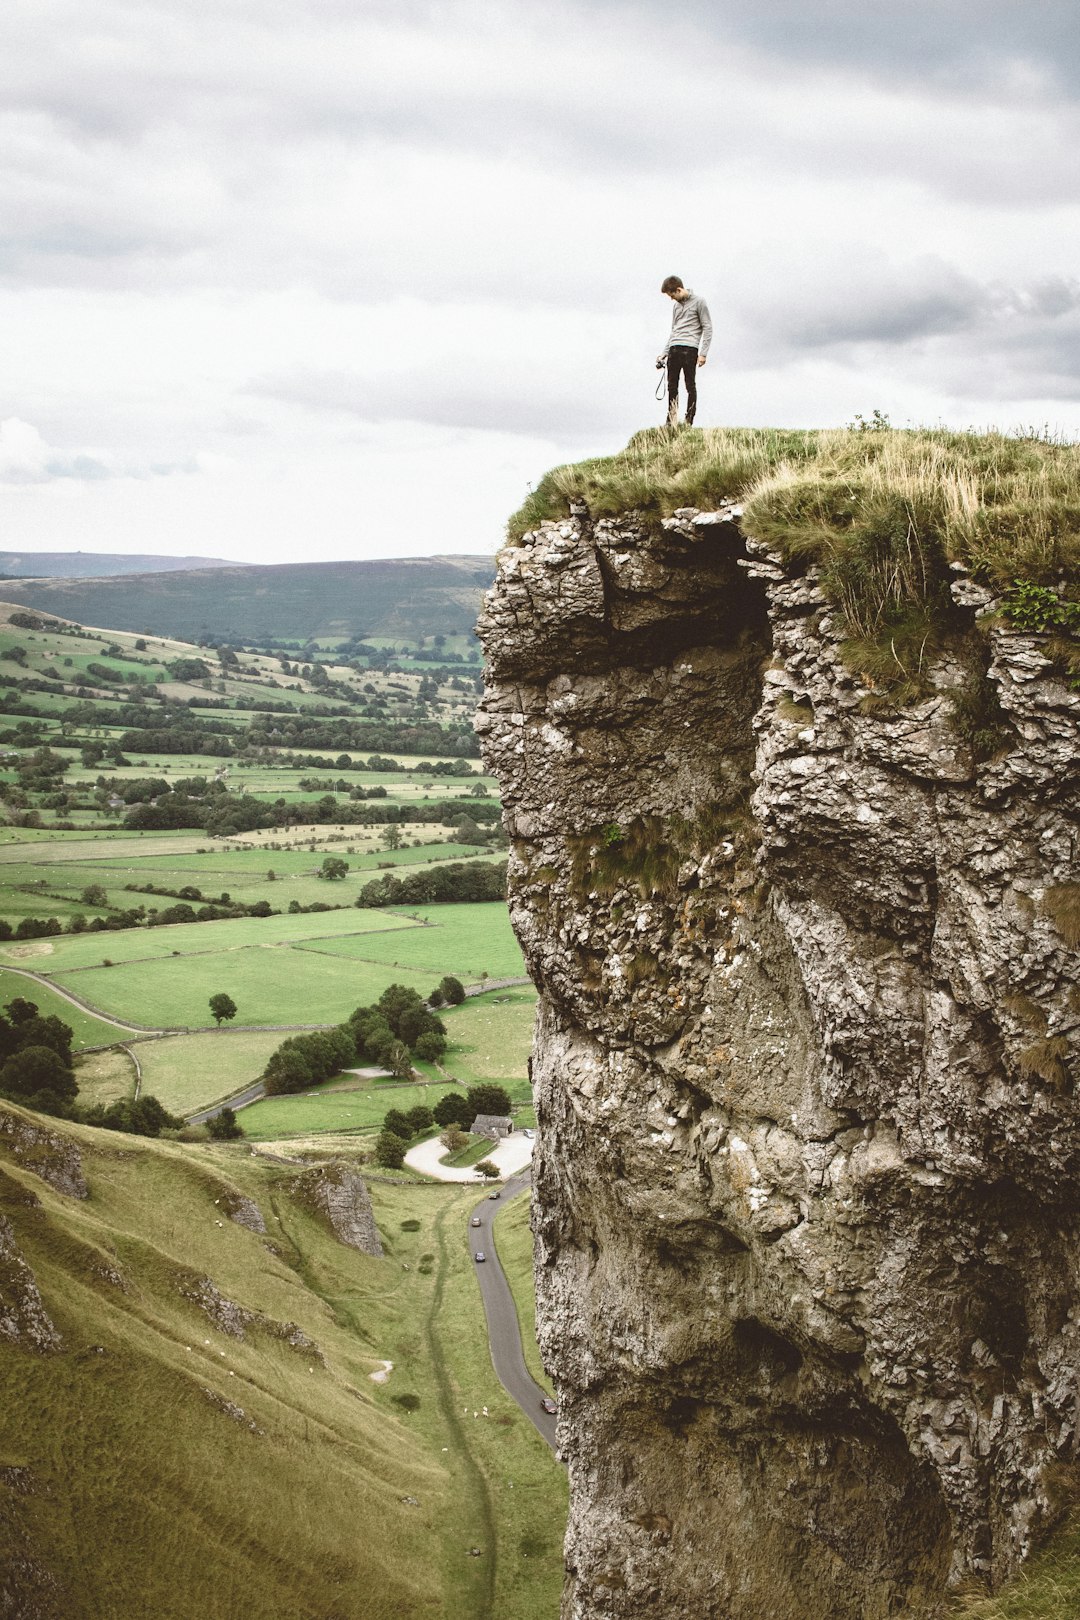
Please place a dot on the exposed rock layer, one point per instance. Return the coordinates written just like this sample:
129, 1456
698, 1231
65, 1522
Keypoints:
805, 1190
341, 1195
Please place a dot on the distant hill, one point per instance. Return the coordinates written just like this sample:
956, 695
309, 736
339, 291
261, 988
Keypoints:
96, 564
401, 597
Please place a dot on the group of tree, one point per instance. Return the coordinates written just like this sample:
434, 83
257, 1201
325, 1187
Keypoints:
391, 1032
306, 1060
456, 880
36, 1070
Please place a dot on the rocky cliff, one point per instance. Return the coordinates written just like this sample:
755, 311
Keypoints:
806, 1185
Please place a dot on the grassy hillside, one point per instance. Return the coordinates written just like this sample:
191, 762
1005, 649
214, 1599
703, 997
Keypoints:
401, 597
157, 1464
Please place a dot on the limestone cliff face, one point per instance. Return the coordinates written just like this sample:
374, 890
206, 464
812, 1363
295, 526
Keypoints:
806, 1185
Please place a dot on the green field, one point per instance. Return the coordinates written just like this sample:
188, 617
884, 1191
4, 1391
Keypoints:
88, 1030
491, 1036
105, 1077
338, 1109
271, 985
186, 1072
287, 970
477, 938
67, 954
51, 887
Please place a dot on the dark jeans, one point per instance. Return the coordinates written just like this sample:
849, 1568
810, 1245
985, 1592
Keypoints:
681, 360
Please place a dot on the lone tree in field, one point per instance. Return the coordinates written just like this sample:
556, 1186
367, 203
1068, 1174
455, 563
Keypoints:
223, 1007
334, 867
389, 1151
391, 837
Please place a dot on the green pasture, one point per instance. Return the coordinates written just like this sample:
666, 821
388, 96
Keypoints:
490, 1038
81, 845
52, 888
476, 939
274, 985
187, 1072
333, 1108
208, 939
105, 1077
88, 1030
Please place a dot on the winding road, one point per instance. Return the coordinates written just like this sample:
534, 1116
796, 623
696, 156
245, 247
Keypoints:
504, 1332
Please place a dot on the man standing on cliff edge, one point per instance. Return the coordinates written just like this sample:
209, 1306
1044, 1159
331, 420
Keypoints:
687, 345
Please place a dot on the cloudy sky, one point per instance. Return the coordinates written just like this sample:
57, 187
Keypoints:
303, 279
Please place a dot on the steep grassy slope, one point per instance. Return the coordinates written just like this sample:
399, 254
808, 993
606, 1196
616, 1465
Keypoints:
158, 1464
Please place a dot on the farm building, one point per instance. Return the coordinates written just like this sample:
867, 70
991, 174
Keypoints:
496, 1126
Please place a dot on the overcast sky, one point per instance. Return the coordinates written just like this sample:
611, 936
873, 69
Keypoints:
304, 279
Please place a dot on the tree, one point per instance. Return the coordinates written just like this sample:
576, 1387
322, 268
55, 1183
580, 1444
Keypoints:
453, 990
486, 1168
430, 1046
420, 1118
333, 868
391, 836
453, 1140
399, 1060
222, 1007
436, 997
38, 1077
453, 1109
397, 1122
488, 1099
389, 1151
224, 1127
94, 895
142, 1117
287, 1070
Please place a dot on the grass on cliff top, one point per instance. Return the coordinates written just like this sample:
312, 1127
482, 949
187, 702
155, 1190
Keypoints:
882, 510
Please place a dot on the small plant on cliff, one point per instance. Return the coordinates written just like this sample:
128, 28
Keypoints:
1040, 609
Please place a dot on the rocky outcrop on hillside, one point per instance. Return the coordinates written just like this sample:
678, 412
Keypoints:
24, 1320
341, 1196
236, 1321
53, 1157
805, 1191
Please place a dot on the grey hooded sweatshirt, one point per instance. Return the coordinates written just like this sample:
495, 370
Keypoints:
691, 324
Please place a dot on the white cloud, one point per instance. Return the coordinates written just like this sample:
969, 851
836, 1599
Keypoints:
360, 272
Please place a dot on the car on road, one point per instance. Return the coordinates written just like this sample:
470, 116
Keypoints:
495, 1195
479, 1257
475, 1221
548, 1405
528, 1134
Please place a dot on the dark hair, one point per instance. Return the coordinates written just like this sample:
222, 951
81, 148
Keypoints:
671, 284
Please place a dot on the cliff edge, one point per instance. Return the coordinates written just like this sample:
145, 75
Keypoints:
805, 1189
